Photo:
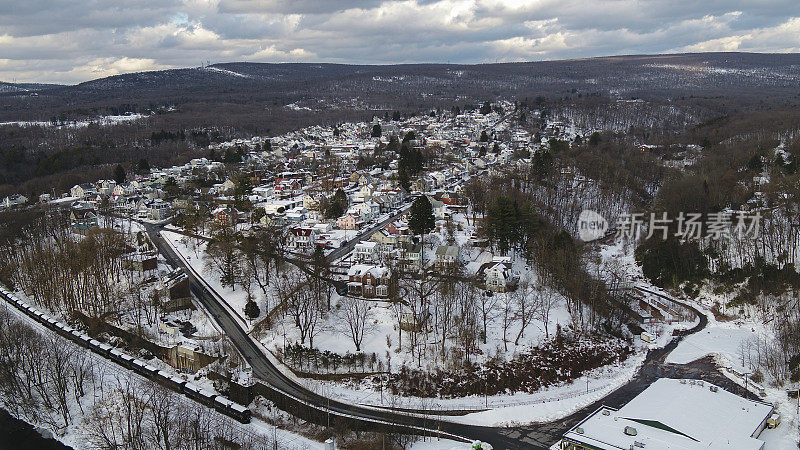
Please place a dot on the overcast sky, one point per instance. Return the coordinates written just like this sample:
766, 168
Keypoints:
70, 41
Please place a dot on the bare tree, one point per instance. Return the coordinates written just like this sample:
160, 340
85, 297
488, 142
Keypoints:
357, 316
526, 299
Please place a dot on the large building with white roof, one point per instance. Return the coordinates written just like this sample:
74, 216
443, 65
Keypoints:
674, 414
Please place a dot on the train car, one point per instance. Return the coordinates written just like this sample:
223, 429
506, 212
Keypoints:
116, 356
178, 382
200, 394
127, 360
105, 349
94, 345
51, 323
83, 339
207, 396
139, 367
73, 335
241, 413
164, 378
68, 328
171, 381
223, 405
192, 390
152, 371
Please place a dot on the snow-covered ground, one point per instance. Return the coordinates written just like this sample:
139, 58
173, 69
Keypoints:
102, 121
112, 374
726, 341
721, 339
193, 250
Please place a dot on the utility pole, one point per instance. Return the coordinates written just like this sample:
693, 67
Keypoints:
746, 391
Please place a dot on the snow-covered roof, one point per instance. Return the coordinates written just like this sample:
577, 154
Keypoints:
363, 269
367, 244
676, 414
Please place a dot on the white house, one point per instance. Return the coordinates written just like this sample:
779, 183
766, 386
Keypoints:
13, 200
367, 251
440, 210
83, 191
447, 256
499, 276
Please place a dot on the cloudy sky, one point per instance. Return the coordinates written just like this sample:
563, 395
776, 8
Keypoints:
69, 41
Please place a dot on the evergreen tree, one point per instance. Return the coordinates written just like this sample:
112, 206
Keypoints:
251, 310
337, 205
243, 187
542, 164
119, 174
421, 219
143, 167
755, 163
484, 136
557, 145
376, 130
394, 144
410, 159
594, 139
486, 108
402, 178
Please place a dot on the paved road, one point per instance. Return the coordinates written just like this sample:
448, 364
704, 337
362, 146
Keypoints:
350, 245
535, 436
264, 370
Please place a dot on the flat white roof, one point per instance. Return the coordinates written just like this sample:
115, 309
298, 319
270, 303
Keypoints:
677, 414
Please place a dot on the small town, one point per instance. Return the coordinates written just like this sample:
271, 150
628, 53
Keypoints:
439, 225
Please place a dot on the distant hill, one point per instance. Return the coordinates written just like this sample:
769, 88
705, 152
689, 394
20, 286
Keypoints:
65, 136
658, 76
25, 87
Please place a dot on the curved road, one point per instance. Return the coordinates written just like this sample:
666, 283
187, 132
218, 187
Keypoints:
536, 435
265, 370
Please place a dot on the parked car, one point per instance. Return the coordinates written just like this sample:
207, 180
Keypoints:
774, 420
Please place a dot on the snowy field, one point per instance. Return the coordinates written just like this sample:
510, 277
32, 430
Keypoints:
720, 339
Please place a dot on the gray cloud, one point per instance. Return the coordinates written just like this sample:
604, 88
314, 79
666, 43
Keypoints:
66, 41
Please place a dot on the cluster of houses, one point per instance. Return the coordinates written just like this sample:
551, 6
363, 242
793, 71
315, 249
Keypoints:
286, 186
